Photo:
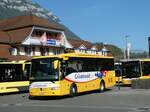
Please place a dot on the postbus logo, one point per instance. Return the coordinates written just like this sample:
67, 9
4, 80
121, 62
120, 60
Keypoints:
101, 74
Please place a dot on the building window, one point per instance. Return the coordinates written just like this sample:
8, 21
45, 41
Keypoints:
47, 51
54, 51
37, 33
13, 51
59, 51
33, 51
27, 50
82, 51
43, 51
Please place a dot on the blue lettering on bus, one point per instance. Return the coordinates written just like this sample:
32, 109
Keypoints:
78, 76
99, 74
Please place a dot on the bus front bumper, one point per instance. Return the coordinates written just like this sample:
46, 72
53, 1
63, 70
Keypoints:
126, 81
44, 92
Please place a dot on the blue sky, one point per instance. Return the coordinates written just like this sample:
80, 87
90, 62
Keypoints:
107, 21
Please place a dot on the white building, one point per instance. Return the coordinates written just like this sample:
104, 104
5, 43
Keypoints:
32, 36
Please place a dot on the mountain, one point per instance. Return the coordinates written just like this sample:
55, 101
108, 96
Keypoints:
11, 8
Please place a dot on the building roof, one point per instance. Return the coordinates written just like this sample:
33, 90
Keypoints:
5, 54
14, 36
4, 50
18, 35
25, 21
18, 58
16, 29
77, 43
99, 47
135, 60
4, 38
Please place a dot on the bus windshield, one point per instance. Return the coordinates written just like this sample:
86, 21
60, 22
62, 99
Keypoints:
131, 69
44, 70
146, 68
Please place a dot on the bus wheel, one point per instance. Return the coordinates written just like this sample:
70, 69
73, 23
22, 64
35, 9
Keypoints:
73, 90
30, 97
102, 86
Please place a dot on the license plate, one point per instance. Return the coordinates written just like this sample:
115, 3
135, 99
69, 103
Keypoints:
41, 93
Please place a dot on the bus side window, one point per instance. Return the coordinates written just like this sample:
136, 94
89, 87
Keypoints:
70, 70
79, 66
26, 73
62, 74
69, 67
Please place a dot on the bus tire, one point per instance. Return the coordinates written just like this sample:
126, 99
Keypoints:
73, 90
102, 86
30, 97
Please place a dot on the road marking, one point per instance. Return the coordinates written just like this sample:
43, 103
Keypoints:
29, 104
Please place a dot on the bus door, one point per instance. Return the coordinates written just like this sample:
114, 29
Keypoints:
131, 69
26, 71
64, 71
145, 69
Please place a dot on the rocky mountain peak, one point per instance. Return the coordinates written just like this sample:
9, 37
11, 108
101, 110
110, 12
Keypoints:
12, 8
27, 6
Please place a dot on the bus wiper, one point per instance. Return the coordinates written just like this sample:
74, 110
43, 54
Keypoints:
52, 81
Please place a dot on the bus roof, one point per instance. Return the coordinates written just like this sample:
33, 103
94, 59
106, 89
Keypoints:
67, 55
14, 62
130, 60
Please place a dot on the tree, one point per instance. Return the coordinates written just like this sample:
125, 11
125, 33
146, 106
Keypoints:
114, 50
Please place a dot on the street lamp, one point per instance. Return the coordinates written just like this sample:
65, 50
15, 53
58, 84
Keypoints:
127, 48
149, 46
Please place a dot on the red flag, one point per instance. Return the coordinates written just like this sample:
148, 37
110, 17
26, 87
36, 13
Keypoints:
43, 39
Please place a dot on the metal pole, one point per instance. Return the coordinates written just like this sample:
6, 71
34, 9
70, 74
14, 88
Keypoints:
126, 37
149, 47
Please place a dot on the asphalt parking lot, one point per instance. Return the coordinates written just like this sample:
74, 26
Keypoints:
113, 100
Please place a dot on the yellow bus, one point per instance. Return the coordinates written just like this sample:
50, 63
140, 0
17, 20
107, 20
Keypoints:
135, 69
69, 74
14, 76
